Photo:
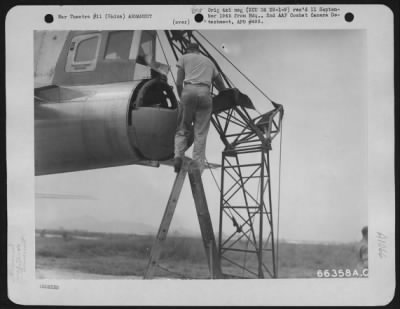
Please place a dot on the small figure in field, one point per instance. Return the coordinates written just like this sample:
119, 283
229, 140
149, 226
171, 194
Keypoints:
363, 249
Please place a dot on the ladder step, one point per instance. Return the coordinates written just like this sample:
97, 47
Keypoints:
247, 207
239, 250
242, 165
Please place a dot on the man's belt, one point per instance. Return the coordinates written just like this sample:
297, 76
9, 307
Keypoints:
196, 84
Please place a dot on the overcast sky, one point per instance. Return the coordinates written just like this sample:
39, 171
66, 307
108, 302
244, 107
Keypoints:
320, 78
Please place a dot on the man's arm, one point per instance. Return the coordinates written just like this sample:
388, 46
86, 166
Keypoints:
219, 82
179, 80
180, 76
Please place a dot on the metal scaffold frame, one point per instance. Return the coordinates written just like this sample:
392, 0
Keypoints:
246, 198
247, 248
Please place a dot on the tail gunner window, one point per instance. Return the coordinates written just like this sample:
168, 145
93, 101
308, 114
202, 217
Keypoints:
147, 48
86, 50
83, 53
118, 45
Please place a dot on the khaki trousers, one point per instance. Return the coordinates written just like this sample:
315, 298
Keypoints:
196, 104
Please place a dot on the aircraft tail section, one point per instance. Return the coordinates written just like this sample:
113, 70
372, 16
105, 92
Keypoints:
57, 94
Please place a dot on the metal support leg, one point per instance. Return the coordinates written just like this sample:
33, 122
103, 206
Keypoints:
203, 215
166, 221
207, 231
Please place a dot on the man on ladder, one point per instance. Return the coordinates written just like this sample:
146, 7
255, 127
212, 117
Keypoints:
195, 76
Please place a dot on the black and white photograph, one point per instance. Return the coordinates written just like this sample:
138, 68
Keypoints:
181, 153
107, 139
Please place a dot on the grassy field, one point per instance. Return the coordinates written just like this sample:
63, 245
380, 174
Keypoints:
182, 257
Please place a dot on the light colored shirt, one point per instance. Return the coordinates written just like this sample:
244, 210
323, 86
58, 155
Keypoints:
198, 68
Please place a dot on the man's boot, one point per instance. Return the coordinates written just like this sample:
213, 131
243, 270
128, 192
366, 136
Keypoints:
177, 164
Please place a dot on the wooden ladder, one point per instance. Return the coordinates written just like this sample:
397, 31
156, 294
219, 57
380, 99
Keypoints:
203, 216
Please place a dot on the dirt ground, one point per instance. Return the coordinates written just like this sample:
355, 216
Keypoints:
126, 257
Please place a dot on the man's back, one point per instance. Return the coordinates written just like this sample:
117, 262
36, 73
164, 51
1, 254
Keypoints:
194, 78
198, 68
